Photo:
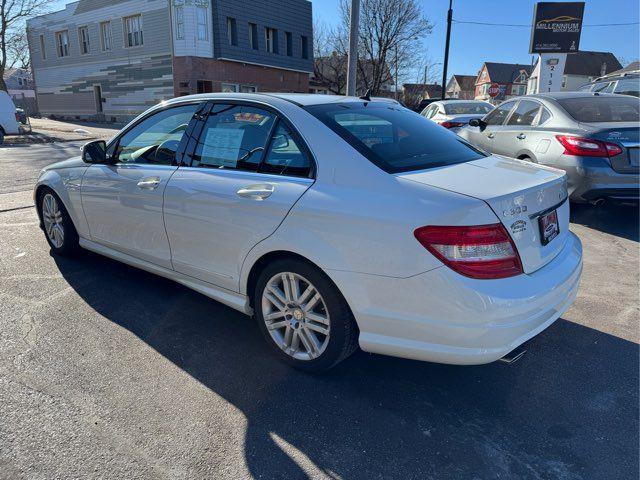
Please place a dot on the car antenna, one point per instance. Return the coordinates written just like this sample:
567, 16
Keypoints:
367, 95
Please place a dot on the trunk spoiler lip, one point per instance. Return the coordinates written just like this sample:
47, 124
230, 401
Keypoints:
533, 216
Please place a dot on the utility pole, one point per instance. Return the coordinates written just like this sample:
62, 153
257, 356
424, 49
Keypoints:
396, 88
352, 60
446, 49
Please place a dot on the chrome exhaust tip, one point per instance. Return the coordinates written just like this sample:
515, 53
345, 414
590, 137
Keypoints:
514, 355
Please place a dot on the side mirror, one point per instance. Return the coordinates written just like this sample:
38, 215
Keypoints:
95, 152
478, 122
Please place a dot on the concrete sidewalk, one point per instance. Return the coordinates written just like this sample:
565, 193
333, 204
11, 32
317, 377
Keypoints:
45, 130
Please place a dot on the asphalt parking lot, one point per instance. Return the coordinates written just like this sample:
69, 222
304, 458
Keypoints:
110, 372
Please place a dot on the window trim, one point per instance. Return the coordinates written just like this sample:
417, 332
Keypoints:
200, 8
125, 34
254, 44
274, 41
58, 35
304, 147
84, 28
232, 32
103, 30
179, 21
43, 47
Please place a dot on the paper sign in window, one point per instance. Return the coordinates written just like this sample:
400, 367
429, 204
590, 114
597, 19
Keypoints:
222, 147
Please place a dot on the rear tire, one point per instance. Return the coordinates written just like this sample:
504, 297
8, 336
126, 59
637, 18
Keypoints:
306, 322
58, 227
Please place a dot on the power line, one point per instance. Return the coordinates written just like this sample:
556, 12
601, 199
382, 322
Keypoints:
529, 26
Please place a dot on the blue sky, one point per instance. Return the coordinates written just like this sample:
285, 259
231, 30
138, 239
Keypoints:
473, 44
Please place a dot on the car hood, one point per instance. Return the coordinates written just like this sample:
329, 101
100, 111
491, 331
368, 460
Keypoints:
69, 163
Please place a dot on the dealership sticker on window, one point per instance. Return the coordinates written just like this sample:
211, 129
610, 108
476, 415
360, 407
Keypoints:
222, 146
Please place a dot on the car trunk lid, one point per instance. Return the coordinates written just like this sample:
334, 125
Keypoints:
624, 134
518, 192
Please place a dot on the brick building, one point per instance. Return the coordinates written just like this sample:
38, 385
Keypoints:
112, 60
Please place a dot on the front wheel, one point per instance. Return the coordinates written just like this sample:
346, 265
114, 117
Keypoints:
57, 225
303, 316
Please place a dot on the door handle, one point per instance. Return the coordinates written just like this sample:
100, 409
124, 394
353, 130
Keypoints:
522, 136
491, 135
149, 183
258, 192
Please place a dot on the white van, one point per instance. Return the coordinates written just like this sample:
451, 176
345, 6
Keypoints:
9, 124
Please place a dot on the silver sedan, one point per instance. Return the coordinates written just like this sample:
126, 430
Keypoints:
593, 137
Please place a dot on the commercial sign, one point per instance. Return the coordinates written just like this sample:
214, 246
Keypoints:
556, 27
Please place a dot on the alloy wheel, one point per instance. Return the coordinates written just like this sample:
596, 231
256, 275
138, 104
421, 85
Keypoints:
296, 316
52, 218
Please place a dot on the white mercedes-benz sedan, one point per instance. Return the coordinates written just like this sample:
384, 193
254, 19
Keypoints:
336, 222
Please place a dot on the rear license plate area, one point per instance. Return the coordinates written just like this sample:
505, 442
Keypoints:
549, 226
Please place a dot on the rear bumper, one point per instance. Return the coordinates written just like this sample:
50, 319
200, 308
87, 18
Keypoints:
440, 316
590, 183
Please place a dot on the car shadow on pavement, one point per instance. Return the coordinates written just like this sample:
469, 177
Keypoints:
622, 220
567, 409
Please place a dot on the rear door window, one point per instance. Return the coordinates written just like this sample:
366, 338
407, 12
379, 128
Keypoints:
524, 114
394, 138
596, 109
629, 86
286, 155
499, 114
234, 137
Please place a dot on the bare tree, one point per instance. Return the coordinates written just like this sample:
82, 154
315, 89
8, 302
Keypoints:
330, 64
13, 14
18, 51
390, 35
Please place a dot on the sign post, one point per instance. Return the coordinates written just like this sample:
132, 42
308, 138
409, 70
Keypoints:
555, 32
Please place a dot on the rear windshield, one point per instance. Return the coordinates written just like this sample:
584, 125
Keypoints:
467, 108
594, 109
393, 137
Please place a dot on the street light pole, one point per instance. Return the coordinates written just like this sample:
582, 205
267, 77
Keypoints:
446, 49
352, 59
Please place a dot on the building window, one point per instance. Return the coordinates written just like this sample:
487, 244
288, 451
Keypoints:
305, 47
83, 38
133, 31
205, 86
203, 23
232, 31
62, 43
43, 49
248, 89
179, 14
289, 43
253, 36
271, 39
230, 87
105, 36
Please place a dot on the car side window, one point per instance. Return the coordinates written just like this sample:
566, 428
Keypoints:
498, 115
285, 157
234, 137
544, 116
156, 139
524, 114
429, 111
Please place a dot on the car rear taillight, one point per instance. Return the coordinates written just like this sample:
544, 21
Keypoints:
481, 251
588, 147
451, 124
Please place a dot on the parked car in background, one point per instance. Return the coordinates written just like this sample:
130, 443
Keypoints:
593, 137
626, 83
424, 103
335, 221
9, 121
455, 114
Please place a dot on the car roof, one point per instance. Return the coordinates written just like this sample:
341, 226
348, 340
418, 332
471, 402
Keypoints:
300, 99
461, 100
562, 95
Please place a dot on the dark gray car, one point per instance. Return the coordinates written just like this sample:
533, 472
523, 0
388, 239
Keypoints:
593, 137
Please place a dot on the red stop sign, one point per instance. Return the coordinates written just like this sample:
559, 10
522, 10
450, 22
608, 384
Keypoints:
494, 90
